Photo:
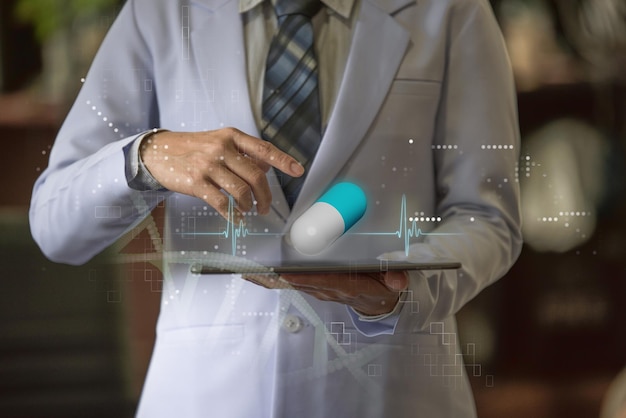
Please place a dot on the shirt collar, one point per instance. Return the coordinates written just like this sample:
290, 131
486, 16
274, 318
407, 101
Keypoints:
341, 7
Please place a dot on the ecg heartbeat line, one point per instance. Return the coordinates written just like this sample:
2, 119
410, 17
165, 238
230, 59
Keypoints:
234, 230
407, 228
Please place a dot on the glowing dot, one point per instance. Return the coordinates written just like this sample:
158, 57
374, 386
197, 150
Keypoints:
82, 80
105, 119
472, 219
411, 141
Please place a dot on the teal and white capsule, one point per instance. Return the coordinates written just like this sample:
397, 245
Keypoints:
328, 218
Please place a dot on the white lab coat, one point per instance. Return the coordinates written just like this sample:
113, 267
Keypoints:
426, 110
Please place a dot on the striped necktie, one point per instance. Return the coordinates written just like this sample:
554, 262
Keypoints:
291, 109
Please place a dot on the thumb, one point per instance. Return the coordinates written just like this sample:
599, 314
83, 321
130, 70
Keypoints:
397, 280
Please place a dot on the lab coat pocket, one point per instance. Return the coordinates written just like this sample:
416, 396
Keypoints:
415, 87
406, 119
410, 110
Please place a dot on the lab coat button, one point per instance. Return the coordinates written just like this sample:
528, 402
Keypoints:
292, 324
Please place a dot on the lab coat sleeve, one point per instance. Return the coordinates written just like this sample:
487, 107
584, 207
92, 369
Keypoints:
82, 203
478, 193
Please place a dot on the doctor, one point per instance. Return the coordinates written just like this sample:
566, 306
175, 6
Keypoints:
416, 105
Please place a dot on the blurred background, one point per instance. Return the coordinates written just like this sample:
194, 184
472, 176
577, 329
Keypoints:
547, 340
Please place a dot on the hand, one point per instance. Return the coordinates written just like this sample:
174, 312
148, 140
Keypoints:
369, 294
201, 164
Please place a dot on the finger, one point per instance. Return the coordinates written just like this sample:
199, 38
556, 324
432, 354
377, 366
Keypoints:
254, 177
266, 152
269, 281
315, 281
325, 296
218, 201
261, 164
396, 280
233, 184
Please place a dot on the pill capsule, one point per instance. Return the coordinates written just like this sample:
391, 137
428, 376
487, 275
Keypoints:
328, 218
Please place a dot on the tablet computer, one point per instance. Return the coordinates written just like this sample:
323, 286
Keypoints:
321, 266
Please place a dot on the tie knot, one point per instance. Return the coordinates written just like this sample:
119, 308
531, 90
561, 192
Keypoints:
307, 8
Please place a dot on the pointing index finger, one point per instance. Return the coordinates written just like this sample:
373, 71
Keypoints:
269, 154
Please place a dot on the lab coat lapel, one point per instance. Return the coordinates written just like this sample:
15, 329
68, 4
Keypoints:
217, 43
378, 46
218, 49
